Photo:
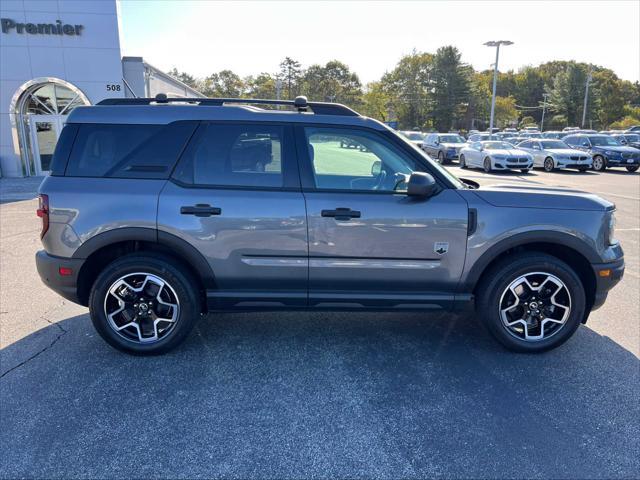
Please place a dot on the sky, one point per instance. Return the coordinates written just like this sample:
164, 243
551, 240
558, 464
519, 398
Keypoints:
202, 37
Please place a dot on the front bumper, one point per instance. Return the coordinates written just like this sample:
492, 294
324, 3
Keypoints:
49, 270
622, 162
608, 275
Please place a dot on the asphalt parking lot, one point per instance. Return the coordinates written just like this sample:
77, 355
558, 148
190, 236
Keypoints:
316, 394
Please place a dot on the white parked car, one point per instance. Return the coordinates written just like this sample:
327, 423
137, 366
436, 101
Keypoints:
414, 137
494, 155
553, 154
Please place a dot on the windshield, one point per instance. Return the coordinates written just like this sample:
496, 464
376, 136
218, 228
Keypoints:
632, 138
553, 144
604, 141
435, 165
451, 139
497, 145
414, 135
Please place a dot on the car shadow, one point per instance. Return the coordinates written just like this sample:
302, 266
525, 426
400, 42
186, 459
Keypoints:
280, 395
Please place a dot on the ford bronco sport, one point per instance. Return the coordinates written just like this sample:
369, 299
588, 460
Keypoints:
158, 211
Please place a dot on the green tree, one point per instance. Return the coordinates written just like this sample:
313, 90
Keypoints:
567, 93
376, 102
184, 78
529, 90
290, 74
224, 84
608, 97
450, 79
409, 85
333, 82
506, 113
260, 86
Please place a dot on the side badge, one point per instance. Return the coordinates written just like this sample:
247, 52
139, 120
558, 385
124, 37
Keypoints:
441, 247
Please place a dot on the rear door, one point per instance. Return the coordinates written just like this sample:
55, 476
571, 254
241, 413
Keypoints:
235, 196
371, 245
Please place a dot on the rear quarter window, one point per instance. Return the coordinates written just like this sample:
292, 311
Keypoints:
128, 151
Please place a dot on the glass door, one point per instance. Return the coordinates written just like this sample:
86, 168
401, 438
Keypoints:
45, 130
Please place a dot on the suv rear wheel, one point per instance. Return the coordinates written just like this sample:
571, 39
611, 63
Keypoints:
532, 303
144, 304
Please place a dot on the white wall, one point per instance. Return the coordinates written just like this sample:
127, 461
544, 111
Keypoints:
91, 61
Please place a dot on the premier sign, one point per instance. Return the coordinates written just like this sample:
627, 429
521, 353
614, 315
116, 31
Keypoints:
57, 28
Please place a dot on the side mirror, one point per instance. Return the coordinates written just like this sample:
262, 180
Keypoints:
421, 184
436, 142
376, 168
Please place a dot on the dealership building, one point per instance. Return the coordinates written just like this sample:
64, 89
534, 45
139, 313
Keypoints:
56, 55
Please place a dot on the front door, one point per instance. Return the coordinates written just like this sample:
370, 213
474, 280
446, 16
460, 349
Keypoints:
235, 196
45, 130
371, 245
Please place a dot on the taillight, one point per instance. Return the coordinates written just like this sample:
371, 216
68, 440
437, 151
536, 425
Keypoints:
43, 212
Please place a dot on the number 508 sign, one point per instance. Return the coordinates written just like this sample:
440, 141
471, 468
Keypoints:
113, 87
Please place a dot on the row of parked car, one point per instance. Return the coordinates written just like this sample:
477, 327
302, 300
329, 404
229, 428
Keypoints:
530, 148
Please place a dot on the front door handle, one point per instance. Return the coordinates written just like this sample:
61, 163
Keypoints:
200, 210
341, 213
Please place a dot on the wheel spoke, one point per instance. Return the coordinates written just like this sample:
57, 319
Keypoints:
130, 310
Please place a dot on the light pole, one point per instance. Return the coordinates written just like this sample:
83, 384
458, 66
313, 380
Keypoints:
495, 43
544, 108
586, 96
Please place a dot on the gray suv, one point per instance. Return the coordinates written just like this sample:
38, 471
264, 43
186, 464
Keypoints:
158, 211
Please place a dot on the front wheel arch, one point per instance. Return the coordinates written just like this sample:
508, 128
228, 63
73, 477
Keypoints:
566, 249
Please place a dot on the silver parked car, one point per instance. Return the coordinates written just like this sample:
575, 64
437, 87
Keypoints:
158, 211
555, 154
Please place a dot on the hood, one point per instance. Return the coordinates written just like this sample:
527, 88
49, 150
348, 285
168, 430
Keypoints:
565, 151
512, 152
617, 148
519, 196
457, 146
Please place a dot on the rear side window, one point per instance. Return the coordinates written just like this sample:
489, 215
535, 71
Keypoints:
242, 155
63, 149
128, 151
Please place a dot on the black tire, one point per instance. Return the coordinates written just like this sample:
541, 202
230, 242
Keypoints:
182, 284
462, 162
632, 169
441, 159
549, 165
599, 163
487, 165
500, 276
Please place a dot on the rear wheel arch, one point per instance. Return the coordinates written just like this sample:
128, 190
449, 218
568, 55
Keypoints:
573, 252
107, 247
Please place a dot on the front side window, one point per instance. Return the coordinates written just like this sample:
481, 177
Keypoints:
604, 141
343, 159
233, 155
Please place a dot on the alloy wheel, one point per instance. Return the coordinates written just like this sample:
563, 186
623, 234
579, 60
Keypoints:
548, 164
535, 306
141, 307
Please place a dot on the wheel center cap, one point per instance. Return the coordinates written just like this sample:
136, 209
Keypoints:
143, 308
533, 305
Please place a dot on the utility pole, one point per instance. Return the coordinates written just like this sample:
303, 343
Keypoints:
544, 108
586, 97
496, 44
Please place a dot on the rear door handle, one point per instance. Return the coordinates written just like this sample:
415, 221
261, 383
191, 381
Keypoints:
341, 213
200, 210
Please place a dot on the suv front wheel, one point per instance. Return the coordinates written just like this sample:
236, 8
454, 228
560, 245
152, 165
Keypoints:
144, 304
532, 303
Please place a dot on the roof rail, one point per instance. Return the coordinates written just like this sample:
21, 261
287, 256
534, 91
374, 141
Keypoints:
300, 103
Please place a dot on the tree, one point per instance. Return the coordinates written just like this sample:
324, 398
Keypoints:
260, 86
377, 103
290, 73
529, 90
506, 113
224, 84
450, 79
184, 78
409, 85
333, 82
608, 97
567, 94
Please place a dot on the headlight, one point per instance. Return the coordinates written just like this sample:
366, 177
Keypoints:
610, 153
612, 228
